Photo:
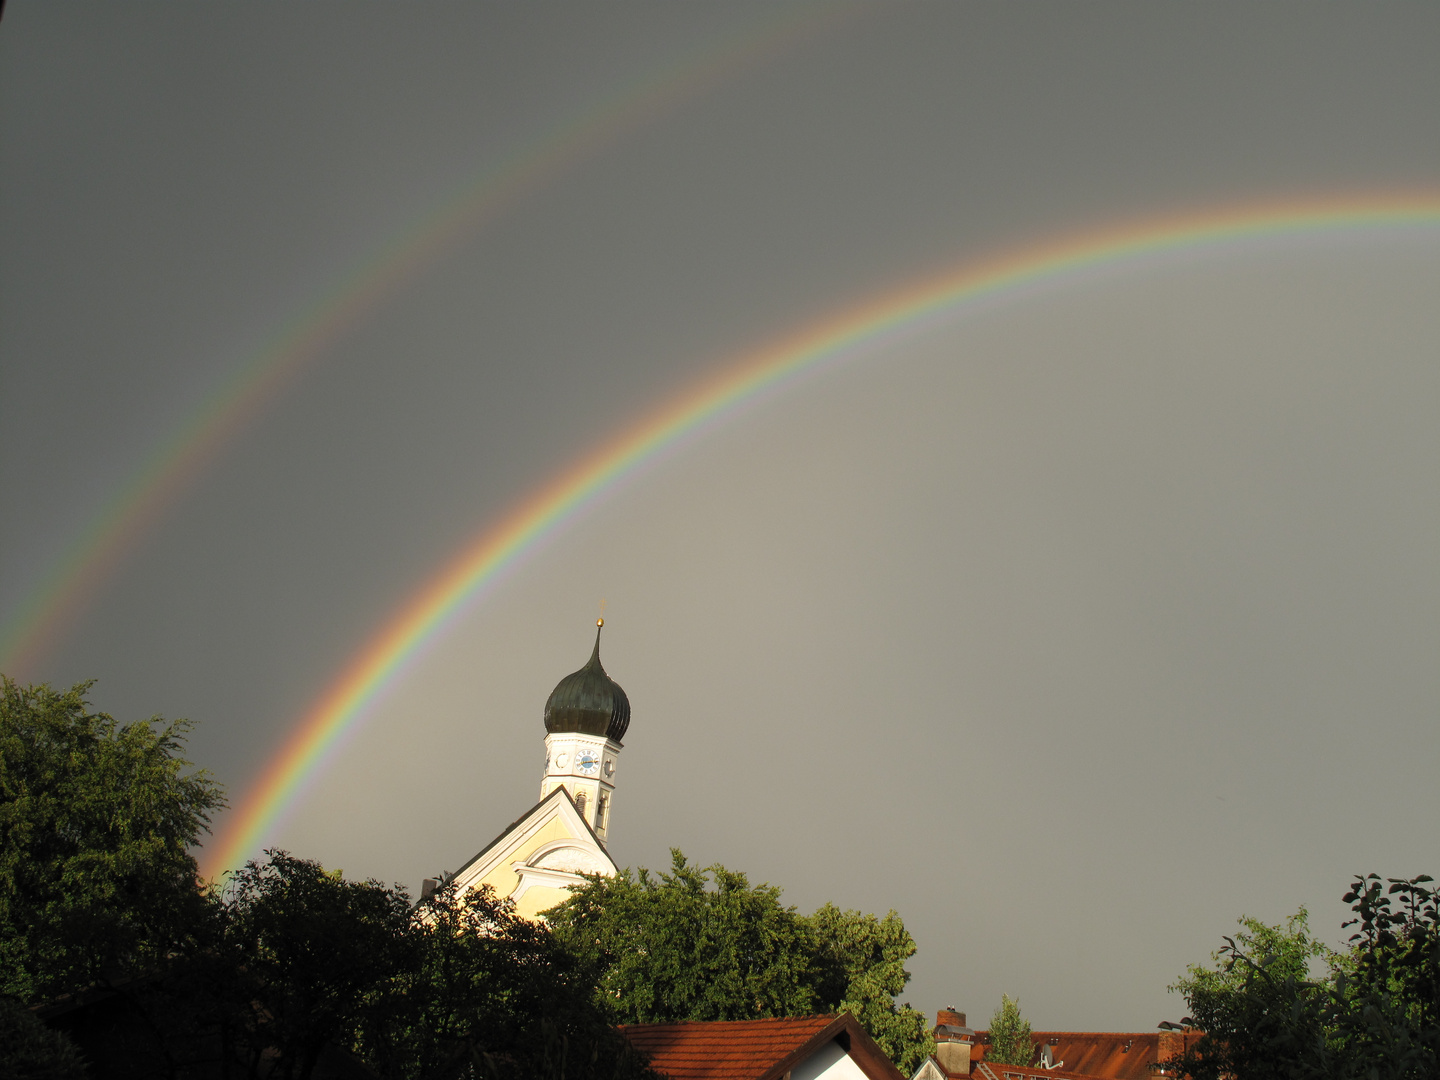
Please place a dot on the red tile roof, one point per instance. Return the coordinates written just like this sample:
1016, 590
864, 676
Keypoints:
753, 1049
986, 1070
1109, 1055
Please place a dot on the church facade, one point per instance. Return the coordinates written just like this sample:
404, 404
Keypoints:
565, 834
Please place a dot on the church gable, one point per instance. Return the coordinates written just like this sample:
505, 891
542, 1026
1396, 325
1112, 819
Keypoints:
538, 858
559, 840
569, 856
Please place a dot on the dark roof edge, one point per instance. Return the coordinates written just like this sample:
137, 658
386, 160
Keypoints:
863, 1050
561, 790
598, 842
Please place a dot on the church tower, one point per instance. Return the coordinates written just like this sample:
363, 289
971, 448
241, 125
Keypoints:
552, 846
585, 719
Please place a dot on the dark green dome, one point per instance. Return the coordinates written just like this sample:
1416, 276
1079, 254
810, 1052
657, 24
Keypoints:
589, 702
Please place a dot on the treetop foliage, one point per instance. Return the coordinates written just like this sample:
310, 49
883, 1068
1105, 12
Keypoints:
670, 947
31, 1051
704, 944
96, 823
453, 985
1372, 1012
1289, 950
305, 958
1010, 1042
862, 970
299, 972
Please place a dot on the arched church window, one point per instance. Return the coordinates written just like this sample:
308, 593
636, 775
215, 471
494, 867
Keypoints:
600, 808
580, 803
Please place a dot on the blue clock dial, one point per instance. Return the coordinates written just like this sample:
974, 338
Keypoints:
587, 761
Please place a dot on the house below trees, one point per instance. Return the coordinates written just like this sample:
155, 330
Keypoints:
806, 1048
1063, 1055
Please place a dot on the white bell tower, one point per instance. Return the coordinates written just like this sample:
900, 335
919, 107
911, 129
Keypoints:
585, 766
585, 719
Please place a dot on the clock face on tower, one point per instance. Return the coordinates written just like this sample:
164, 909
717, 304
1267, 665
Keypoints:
587, 762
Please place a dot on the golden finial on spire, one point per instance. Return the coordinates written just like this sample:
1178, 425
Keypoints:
601, 620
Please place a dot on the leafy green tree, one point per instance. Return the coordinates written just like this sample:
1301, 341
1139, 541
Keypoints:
669, 947
1290, 948
1391, 982
312, 966
1373, 1013
1263, 982
704, 944
96, 825
862, 969
489, 991
1010, 1042
31, 1051
307, 958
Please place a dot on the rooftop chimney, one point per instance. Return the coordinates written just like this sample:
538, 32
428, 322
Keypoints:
952, 1042
1172, 1044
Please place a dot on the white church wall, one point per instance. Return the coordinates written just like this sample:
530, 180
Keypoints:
830, 1062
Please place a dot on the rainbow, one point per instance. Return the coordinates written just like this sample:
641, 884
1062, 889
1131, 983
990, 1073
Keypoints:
772, 367
170, 468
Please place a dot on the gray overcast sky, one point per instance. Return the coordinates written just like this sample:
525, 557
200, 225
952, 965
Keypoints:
1072, 630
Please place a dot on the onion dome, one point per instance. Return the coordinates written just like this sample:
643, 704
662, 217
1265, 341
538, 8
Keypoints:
589, 701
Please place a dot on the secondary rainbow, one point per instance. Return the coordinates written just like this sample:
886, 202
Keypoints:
498, 548
170, 468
